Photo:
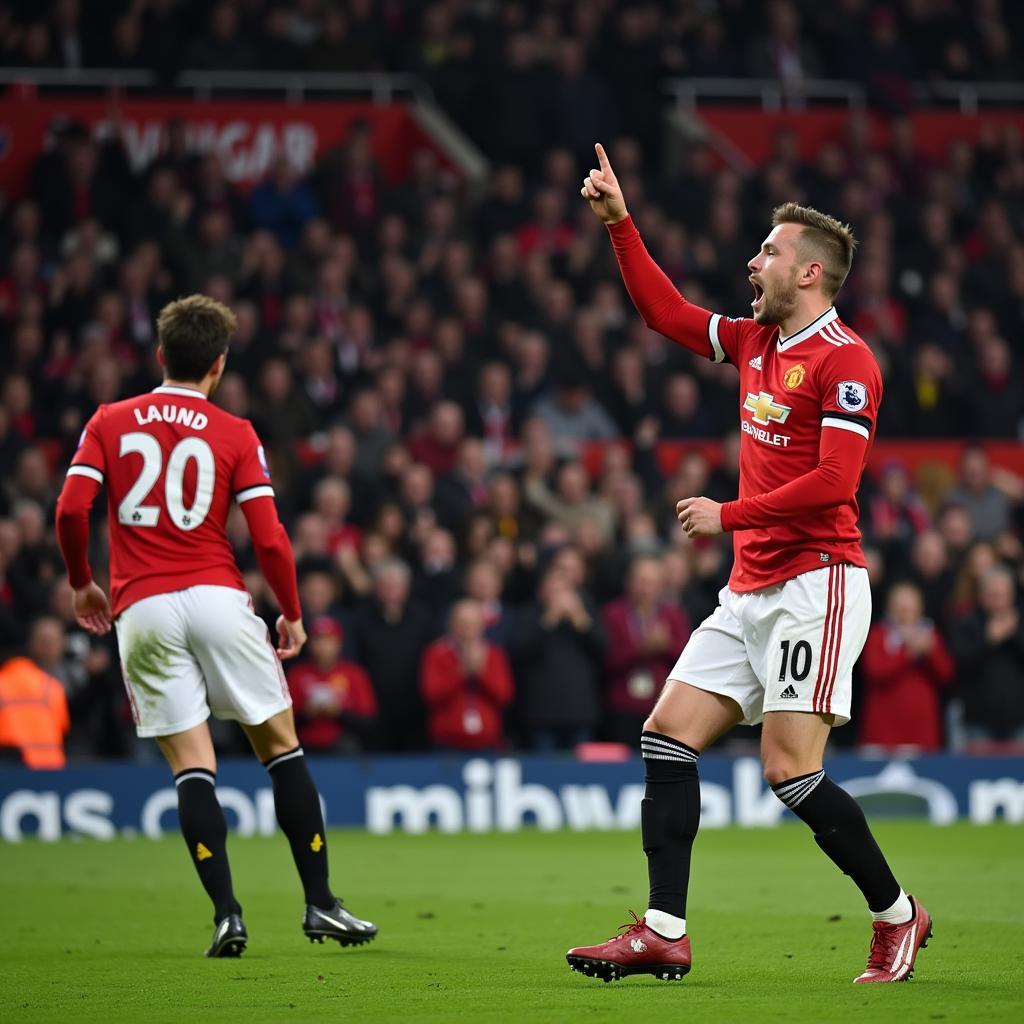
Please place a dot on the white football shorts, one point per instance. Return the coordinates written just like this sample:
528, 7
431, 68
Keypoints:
190, 652
787, 647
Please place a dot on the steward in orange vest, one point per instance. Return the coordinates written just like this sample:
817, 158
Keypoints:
33, 713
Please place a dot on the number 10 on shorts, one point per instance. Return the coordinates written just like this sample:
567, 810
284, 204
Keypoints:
796, 663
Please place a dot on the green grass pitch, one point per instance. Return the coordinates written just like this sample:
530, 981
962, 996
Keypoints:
475, 927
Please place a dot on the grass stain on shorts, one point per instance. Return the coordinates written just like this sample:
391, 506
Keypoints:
146, 659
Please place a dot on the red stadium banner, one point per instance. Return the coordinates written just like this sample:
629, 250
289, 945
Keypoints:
752, 130
249, 135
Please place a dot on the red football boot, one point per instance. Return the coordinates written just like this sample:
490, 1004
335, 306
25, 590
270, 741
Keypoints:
894, 947
637, 950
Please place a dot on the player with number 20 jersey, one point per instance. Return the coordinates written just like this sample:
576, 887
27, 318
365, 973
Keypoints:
174, 463
189, 640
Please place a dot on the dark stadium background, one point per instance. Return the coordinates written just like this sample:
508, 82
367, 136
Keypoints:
434, 338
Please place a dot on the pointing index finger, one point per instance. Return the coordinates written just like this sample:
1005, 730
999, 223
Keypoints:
602, 157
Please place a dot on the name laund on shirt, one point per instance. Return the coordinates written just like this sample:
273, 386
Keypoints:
171, 414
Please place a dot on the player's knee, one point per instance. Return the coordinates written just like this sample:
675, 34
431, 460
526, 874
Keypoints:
664, 725
274, 737
660, 723
778, 767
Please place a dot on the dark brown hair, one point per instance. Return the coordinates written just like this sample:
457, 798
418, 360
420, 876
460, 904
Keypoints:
193, 332
823, 238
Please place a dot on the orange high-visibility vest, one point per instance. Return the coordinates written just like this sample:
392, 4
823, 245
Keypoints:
33, 713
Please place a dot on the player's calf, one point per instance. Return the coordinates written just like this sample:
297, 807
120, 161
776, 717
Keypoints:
842, 832
206, 832
297, 804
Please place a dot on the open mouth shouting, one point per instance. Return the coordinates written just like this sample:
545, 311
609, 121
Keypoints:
758, 302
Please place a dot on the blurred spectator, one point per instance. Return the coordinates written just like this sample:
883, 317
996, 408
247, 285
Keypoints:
223, 46
283, 204
33, 714
784, 54
464, 490
1000, 399
682, 414
365, 421
437, 447
895, 514
559, 645
335, 706
572, 503
438, 580
391, 633
466, 683
572, 413
491, 415
905, 666
988, 507
332, 500
931, 573
484, 586
989, 649
46, 647
645, 634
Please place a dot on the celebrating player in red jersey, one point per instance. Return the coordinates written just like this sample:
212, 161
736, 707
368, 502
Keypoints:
781, 646
189, 640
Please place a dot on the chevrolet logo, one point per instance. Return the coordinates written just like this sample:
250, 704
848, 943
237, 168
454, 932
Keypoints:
764, 408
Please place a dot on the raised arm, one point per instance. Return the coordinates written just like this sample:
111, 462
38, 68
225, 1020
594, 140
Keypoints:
657, 300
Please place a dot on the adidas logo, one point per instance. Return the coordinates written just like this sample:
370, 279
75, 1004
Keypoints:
638, 945
755, 363
789, 693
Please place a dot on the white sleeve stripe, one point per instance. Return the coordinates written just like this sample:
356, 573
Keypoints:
254, 492
717, 352
92, 474
830, 421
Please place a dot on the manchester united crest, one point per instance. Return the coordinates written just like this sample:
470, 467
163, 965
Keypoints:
794, 376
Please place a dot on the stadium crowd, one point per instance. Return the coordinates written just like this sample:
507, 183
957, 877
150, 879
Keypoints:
631, 45
429, 371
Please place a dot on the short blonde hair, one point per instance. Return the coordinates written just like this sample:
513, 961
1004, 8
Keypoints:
193, 332
823, 238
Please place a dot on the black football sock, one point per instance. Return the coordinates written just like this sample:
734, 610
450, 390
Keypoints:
841, 830
297, 804
669, 816
206, 836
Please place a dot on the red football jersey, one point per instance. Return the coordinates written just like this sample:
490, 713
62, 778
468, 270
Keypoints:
172, 462
808, 407
822, 378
